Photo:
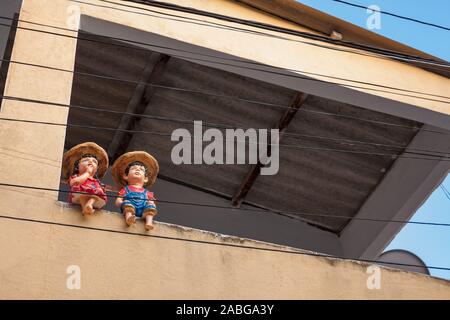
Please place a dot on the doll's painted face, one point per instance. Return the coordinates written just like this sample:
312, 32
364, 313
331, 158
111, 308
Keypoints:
136, 174
88, 164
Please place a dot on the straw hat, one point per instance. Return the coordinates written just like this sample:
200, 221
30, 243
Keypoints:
119, 166
78, 151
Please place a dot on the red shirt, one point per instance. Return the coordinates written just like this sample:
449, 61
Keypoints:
150, 195
90, 186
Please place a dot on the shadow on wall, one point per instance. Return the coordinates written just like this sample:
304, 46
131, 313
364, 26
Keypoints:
10, 9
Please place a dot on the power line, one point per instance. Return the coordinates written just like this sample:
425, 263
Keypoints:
225, 244
243, 67
380, 52
183, 89
216, 57
193, 52
394, 15
218, 95
288, 214
315, 37
173, 88
296, 136
315, 254
446, 192
390, 155
118, 79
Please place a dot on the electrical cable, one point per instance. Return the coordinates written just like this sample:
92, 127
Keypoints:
178, 89
223, 244
213, 94
446, 192
393, 15
252, 69
190, 240
208, 55
297, 136
234, 210
390, 155
379, 51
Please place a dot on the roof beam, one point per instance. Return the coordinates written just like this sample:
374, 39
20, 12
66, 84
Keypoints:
255, 170
138, 103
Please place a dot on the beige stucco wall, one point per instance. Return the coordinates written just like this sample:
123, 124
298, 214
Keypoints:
35, 256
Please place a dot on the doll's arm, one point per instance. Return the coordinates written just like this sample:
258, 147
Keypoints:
151, 200
79, 180
119, 201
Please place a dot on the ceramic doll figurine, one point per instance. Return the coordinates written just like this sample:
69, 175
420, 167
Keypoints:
83, 165
135, 171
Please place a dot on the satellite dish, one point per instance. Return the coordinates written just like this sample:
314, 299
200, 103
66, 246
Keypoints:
403, 257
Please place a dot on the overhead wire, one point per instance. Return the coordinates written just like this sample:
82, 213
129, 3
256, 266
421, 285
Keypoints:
297, 136
393, 15
290, 75
446, 192
427, 157
213, 94
94, 75
288, 214
379, 52
316, 37
222, 244
110, 78
203, 54
197, 92
362, 260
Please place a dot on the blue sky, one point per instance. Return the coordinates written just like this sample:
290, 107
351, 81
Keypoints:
428, 39
430, 243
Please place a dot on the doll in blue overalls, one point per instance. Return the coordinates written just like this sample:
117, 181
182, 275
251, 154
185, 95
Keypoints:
135, 171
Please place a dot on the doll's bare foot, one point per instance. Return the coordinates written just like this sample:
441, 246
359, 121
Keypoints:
129, 218
149, 223
88, 208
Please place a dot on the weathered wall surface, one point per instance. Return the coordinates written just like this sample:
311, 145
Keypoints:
118, 266
35, 255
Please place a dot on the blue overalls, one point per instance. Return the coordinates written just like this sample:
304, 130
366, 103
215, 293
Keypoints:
138, 200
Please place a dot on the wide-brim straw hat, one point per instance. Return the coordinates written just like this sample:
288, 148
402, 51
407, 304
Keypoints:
78, 151
119, 166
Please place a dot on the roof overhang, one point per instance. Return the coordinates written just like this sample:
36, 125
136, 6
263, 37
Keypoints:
319, 21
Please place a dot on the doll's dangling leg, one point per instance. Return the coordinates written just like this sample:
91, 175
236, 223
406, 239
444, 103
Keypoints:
129, 214
89, 207
130, 218
87, 204
148, 214
149, 222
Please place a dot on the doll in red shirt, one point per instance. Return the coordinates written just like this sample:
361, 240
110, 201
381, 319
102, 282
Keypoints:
83, 165
135, 171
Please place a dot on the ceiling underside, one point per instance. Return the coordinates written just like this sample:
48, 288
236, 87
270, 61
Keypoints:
312, 181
